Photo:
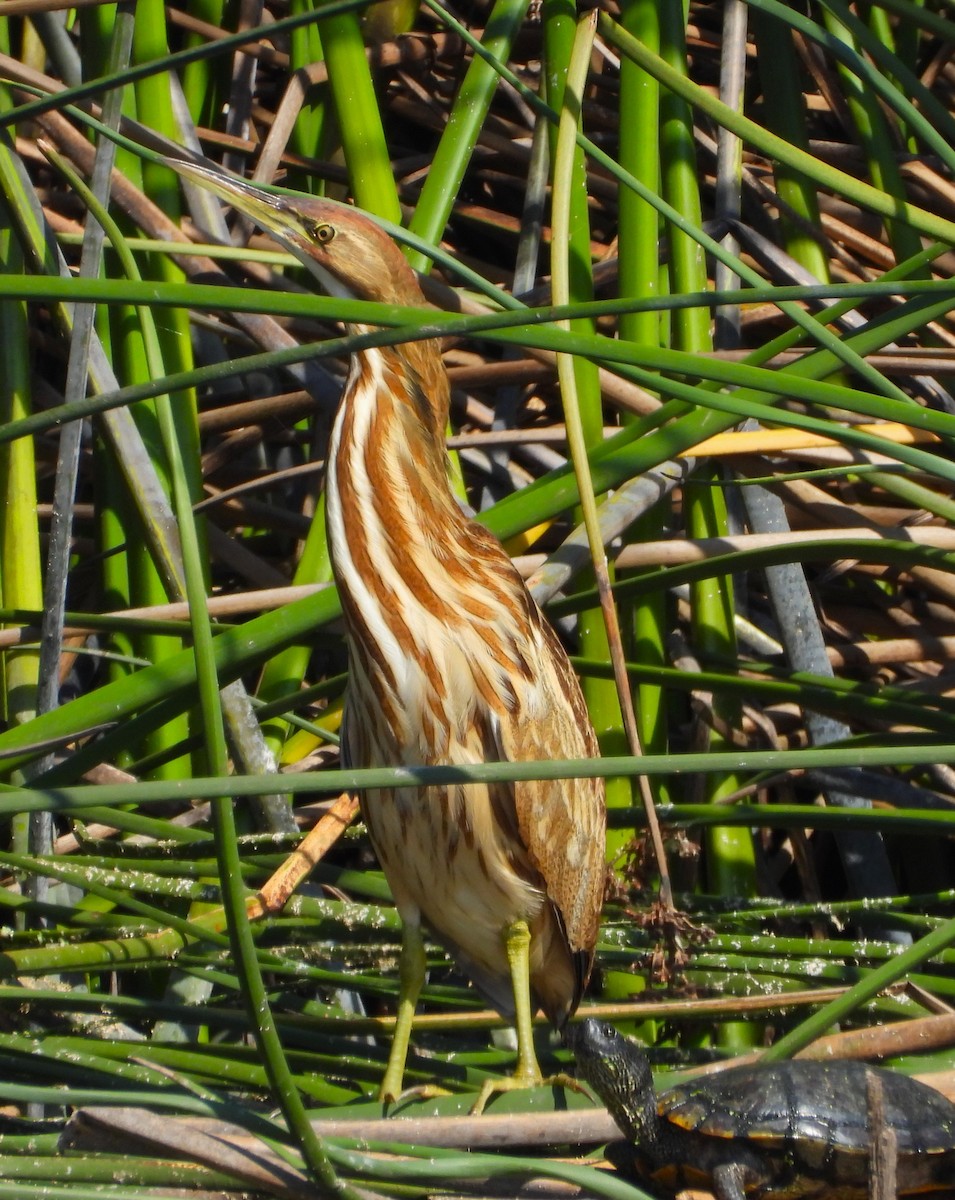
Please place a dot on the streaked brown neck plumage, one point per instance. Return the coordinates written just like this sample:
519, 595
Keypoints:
387, 490
422, 587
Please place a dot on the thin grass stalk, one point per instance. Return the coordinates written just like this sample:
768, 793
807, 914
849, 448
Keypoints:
363, 143
44, 37
103, 1170
903, 43
68, 451
161, 185
438, 1165
125, 560
780, 83
145, 584
20, 573
730, 861
97, 35
45, 1191
463, 128
691, 326
230, 867
203, 83
20, 570
843, 297
864, 548
20, 576
536, 186
728, 200
285, 672
165, 350
112, 519
828, 695
727, 334
314, 130
863, 854
561, 31
562, 274
876, 139
639, 223
639, 277
113, 513
240, 934
358, 117
916, 752
161, 1098
913, 493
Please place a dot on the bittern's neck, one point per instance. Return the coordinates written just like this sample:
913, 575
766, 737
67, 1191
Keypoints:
390, 506
435, 612
390, 425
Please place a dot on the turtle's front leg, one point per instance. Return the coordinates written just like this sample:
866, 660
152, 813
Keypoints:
729, 1181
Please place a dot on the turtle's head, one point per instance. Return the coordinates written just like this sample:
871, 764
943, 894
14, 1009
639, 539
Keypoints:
619, 1072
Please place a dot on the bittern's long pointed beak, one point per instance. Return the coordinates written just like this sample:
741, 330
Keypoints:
283, 218
272, 213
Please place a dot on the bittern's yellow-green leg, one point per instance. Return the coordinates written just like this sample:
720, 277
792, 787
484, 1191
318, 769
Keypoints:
528, 1072
412, 964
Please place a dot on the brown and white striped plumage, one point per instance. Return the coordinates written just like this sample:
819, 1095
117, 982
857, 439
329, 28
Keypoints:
450, 659
452, 662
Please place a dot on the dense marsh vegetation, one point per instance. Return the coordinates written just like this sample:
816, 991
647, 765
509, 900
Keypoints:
752, 261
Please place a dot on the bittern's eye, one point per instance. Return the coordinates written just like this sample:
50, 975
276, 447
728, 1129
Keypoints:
323, 232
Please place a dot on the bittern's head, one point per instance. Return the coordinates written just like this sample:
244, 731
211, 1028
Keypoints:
347, 253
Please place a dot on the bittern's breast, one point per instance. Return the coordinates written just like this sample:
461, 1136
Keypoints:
473, 859
454, 869
454, 857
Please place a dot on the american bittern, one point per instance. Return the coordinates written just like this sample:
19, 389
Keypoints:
450, 661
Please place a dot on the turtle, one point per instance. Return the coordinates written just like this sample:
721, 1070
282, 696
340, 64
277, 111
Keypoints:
787, 1130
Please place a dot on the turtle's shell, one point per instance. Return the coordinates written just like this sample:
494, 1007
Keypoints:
786, 1131
810, 1121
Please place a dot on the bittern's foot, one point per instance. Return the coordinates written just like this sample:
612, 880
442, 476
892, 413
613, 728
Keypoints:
511, 1083
421, 1091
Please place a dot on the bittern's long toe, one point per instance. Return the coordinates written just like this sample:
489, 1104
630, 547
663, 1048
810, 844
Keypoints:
512, 1083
